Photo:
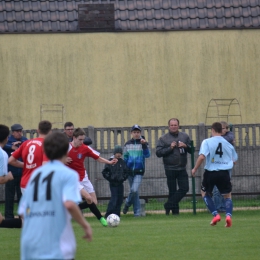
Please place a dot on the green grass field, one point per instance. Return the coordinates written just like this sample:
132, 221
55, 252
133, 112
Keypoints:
155, 236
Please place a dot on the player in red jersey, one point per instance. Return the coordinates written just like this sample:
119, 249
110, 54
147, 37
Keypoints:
32, 153
76, 156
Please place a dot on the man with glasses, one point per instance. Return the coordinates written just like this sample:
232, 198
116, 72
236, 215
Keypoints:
13, 187
68, 131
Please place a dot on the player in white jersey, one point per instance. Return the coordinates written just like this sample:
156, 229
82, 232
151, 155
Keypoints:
49, 201
5, 176
220, 156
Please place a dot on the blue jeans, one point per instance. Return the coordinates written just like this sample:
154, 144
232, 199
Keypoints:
116, 200
133, 197
218, 199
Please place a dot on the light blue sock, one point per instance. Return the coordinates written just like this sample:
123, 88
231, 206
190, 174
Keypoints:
229, 207
210, 205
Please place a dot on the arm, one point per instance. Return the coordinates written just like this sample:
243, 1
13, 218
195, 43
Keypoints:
229, 136
163, 149
103, 160
106, 172
145, 147
4, 179
14, 162
77, 216
197, 165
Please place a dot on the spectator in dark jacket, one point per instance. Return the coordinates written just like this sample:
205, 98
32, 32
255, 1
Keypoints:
173, 148
13, 187
116, 174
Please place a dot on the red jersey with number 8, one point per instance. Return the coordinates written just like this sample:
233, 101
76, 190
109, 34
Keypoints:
33, 156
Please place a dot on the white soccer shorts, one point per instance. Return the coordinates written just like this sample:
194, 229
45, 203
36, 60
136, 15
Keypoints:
86, 184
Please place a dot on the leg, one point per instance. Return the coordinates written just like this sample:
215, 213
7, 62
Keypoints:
133, 197
9, 199
207, 185
84, 194
111, 208
18, 189
87, 185
225, 187
183, 184
119, 199
218, 200
171, 183
128, 201
229, 209
92, 206
134, 189
94, 197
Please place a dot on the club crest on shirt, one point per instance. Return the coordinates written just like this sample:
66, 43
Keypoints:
79, 155
28, 211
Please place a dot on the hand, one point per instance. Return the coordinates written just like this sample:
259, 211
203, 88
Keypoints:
114, 161
15, 145
174, 144
142, 141
181, 144
88, 232
10, 176
193, 171
68, 160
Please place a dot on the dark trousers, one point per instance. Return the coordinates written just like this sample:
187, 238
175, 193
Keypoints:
11, 188
116, 200
175, 178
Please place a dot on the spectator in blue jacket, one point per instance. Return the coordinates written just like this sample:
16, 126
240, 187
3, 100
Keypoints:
13, 187
135, 152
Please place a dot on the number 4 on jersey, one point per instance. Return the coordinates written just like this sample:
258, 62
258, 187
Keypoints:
219, 150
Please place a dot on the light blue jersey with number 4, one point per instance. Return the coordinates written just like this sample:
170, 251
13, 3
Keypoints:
47, 231
219, 153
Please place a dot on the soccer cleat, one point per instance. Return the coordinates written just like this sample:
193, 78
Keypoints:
125, 210
215, 220
228, 221
103, 222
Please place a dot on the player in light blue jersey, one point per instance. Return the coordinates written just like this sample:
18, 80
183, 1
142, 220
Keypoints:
220, 156
47, 205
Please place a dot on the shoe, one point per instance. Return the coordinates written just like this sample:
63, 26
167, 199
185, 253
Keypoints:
103, 222
215, 220
228, 221
125, 210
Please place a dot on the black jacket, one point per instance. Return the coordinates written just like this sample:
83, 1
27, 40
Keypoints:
173, 159
116, 174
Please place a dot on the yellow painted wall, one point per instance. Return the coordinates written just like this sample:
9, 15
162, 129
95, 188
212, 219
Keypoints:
119, 79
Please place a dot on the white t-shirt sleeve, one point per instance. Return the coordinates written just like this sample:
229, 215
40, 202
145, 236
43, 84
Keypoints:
3, 162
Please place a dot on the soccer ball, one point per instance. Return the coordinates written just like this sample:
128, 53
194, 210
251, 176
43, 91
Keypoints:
113, 220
